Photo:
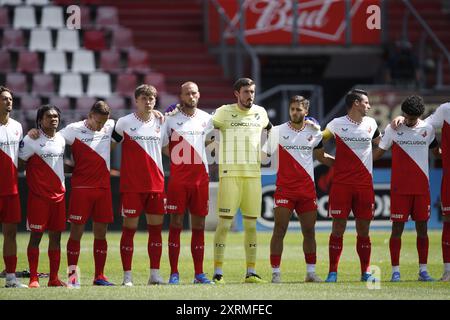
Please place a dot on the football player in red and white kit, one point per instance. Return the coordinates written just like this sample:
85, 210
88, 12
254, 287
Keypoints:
440, 119
141, 180
46, 207
184, 138
292, 146
10, 213
352, 184
90, 142
410, 190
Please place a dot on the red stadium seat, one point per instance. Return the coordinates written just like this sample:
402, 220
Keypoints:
126, 83
13, 39
17, 82
94, 40
157, 80
4, 18
5, 61
28, 62
63, 103
122, 38
107, 17
43, 84
29, 102
110, 61
116, 102
138, 61
86, 20
84, 104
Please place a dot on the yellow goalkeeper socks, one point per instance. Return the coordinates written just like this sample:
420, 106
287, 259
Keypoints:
250, 242
219, 241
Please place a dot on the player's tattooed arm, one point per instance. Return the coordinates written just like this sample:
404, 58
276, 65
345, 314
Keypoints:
165, 150
435, 149
377, 153
34, 133
158, 115
323, 157
22, 165
397, 121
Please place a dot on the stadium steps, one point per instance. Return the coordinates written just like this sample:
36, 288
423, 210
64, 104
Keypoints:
431, 11
171, 31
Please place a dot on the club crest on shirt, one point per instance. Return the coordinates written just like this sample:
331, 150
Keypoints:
424, 134
310, 138
369, 130
16, 133
157, 130
257, 116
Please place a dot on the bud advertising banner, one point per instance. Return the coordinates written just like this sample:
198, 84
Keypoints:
270, 22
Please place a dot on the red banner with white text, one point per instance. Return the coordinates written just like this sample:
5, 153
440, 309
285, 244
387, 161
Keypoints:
270, 22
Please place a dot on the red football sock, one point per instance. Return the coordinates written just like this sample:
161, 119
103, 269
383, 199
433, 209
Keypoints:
422, 249
446, 242
198, 249
335, 249
100, 253
73, 252
10, 263
126, 248
174, 248
154, 246
275, 260
363, 247
55, 257
310, 258
395, 244
33, 261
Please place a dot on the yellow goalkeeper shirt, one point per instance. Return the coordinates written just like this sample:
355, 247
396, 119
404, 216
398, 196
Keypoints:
240, 140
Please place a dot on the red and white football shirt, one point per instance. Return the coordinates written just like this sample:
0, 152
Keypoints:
45, 165
91, 153
293, 151
10, 137
353, 160
186, 137
141, 165
440, 119
409, 157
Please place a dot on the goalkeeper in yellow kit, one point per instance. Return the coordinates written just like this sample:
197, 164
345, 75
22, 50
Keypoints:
240, 125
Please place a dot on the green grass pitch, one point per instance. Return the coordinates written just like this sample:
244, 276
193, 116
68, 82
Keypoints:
293, 271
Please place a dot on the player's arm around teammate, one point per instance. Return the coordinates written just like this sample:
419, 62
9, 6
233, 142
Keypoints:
410, 195
352, 184
46, 204
141, 180
440, 119
294, 144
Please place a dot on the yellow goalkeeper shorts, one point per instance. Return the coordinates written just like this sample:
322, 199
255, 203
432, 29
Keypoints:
239, 192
